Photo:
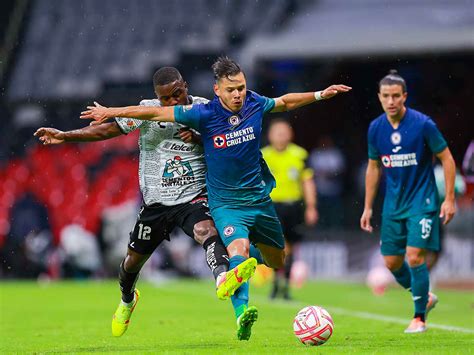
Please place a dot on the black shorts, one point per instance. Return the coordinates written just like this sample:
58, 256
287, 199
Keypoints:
291, 216
155, 223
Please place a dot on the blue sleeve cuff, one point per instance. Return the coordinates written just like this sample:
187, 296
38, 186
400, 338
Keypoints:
269, 105
440, 147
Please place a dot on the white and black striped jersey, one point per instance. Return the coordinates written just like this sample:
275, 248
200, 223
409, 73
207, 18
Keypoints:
170, 171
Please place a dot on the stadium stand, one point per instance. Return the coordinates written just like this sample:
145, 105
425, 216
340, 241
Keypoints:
83, 44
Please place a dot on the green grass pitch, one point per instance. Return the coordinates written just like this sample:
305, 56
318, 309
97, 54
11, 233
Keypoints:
184, 316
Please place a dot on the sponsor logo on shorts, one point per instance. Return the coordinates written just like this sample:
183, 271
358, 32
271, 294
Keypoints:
229, 230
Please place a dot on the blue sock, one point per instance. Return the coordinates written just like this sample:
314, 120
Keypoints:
403, 276
255, 253
420, 286
240, 299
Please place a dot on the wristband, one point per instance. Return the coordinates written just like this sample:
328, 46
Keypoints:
317, 95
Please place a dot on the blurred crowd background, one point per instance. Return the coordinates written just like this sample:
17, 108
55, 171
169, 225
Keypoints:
66, 210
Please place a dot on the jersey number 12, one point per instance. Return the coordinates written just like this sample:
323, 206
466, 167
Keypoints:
144, 232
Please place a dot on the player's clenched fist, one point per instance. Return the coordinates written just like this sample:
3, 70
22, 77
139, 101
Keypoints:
49, 135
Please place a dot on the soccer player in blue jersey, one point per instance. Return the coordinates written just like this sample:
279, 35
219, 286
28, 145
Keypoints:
401, 143
238, 180
168, 202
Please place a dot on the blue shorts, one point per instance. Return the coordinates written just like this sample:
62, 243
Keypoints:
258, 223
420, 231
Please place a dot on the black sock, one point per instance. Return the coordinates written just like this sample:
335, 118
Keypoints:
216, 255
276, 285
127, 281
420, 315
288, 265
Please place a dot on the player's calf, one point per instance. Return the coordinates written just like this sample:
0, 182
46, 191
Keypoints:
216, 256
274, 257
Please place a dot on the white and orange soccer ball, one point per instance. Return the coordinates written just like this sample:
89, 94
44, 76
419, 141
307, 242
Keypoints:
299, 273
378, 279
313, 325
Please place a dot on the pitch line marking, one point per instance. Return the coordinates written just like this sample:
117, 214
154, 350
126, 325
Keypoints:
362, 315
368, 315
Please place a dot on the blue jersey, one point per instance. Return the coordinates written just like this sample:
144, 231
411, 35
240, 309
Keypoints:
406, 154
236, 171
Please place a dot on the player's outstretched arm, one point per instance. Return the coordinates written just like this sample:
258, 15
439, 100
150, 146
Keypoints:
294, 100
448, 207
100, 113
372, 180
49, 136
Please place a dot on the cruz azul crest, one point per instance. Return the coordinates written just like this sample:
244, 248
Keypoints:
396, 138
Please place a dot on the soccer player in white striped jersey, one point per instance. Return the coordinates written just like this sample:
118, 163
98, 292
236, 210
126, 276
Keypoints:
172, 181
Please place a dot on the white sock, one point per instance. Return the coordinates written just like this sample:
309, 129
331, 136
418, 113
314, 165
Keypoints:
130, 304
219, 278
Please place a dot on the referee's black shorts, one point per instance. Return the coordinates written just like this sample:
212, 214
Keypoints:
291, 215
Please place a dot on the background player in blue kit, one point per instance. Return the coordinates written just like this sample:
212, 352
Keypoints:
402, 142
238, 180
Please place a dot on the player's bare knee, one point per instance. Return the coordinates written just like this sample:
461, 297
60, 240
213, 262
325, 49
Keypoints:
244, 251
203, 232
415, 259
131, 265
393, 264
239, 247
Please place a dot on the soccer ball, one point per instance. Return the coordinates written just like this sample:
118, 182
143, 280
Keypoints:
313, 325
299, 273
378, 279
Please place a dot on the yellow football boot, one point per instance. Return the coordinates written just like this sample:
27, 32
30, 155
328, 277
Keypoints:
121, 318
234, 278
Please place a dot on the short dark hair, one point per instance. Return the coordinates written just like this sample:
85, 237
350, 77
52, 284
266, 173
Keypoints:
224, 67
392, 78
166, 75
